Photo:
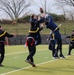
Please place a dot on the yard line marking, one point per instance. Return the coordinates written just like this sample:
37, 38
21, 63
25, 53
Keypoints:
46, 58
47, 62
21, 52
31, 66
16, 53
27, 67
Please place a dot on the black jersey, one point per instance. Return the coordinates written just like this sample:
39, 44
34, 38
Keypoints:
34, 31
72, 37
4, 34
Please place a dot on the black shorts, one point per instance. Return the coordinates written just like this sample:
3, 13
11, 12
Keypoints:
51, 45
71, 44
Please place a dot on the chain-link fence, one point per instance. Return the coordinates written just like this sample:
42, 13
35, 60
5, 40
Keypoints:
23, 32
21, 39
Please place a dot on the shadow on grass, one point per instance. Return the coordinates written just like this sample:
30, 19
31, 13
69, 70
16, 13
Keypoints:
10, 67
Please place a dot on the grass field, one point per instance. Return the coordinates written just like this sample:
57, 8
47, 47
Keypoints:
14, 63
22, 28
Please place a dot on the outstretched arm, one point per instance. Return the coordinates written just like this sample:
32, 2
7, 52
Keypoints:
9, 35
67, 36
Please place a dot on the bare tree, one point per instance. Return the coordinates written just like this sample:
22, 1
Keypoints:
67, 2
70, 6
14, 8
70, 14
45, 4
61, 7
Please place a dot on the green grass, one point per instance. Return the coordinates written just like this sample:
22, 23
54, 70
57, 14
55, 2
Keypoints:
19, 29
15, 56
22, 29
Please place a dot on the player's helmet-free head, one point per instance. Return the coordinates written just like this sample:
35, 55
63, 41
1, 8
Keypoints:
33, 24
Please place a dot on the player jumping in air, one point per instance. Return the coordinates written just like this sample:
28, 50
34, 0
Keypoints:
52, 26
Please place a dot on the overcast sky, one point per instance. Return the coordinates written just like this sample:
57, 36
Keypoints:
51, 4
34, 9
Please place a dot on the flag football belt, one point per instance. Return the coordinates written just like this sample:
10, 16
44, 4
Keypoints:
32, 43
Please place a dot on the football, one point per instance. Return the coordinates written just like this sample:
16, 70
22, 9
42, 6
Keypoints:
41, 10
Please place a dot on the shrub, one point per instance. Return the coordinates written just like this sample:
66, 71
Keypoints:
58, 17
5, 21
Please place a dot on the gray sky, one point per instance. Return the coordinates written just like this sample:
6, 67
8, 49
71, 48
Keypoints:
54, 9
34, 9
